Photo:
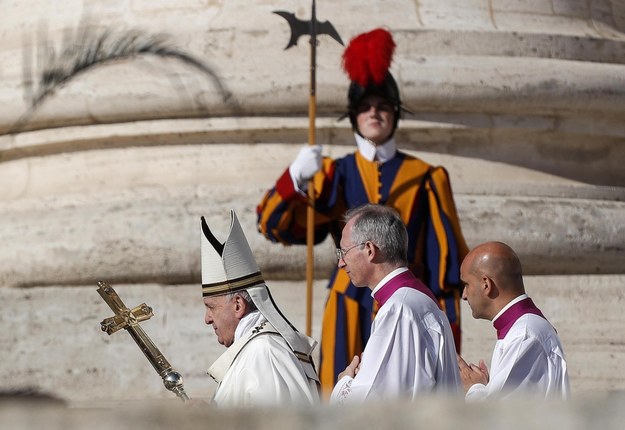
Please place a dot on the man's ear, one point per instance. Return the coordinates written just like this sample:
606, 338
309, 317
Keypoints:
489, 287
240, 306
372, 251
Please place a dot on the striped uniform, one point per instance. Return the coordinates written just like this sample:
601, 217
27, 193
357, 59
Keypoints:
420, 193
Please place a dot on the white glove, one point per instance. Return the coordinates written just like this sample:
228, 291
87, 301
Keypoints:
305, 165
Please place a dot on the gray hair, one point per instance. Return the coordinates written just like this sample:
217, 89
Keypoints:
383, 226
245, 296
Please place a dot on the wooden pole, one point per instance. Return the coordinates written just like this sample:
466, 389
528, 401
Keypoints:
299, 28
312, 140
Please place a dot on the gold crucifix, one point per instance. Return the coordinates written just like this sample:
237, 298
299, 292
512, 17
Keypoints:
129, 320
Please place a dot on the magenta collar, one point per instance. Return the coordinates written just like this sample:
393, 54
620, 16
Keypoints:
512, 314
403, 280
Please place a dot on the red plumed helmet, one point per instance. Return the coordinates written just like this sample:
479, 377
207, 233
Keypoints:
368, 57
367, 60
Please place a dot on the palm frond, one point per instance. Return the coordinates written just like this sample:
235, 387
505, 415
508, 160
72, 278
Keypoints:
85, 50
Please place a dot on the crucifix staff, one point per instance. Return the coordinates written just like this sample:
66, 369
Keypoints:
312, 28
129, 320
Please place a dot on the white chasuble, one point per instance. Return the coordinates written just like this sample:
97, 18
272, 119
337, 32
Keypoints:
260, 369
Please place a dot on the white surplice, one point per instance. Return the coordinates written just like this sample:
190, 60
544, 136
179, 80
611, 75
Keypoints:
410, 352
261, 371
529, 360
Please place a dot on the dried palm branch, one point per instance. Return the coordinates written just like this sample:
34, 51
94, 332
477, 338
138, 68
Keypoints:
85, 50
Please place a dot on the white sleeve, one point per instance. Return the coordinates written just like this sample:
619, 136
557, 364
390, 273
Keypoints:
518, 364
342, 390
477, 392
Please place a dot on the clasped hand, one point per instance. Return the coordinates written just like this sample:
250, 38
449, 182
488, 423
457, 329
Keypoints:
352, 369
472, 374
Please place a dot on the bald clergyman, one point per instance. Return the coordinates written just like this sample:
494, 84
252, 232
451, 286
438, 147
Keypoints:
528, 357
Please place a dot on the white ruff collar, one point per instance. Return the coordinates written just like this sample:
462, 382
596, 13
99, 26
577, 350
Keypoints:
371, 152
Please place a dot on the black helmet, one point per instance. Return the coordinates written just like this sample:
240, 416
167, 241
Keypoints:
388, 90
366, 61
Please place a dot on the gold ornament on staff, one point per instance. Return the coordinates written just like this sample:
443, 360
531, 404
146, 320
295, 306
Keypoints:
312, 28
129, 320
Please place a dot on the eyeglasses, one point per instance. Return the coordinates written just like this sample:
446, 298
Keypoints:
340, 252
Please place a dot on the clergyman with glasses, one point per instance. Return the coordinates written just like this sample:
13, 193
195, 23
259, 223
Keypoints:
411, 349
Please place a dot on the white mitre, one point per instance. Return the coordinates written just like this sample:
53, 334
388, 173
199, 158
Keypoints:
230, 266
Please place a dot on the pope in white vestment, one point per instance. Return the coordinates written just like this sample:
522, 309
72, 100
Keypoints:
267, 361
265, 372
528, 360
411, 350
